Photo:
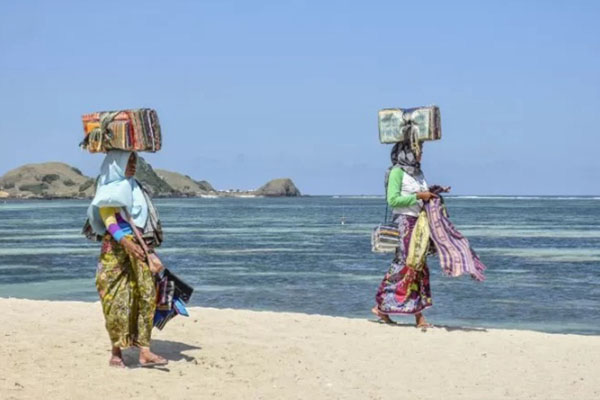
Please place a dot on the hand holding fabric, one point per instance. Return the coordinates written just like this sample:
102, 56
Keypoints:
156, 266
132, 249
437, 189
426, 196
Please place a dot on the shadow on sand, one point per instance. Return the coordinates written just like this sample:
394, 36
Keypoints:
445, 327
172, 351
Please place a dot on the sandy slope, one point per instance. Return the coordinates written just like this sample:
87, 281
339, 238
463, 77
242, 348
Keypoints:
59, 350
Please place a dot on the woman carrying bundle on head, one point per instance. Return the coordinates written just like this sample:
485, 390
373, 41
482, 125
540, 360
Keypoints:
405, 289
124, 279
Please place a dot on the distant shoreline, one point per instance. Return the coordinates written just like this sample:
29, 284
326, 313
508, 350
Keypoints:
158, 197
56, 180
344, 196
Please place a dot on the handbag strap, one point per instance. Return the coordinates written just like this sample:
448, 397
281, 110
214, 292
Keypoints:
385, 217
137, 233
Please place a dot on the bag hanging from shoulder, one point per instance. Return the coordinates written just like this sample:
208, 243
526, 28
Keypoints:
385, 237
172, 296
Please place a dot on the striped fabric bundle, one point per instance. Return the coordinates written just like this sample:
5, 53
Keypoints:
455, 253
132, 130
385, 238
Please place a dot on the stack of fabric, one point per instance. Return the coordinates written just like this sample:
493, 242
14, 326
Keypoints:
414, 124
172, 296
385, 238
131, 130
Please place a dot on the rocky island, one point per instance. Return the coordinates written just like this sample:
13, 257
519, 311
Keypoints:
56, 180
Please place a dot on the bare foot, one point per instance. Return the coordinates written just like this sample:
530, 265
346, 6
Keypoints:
149, 359
116, 358
384, 317
422, 322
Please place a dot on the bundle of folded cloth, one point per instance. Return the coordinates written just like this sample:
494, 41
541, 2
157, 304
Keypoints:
172, 296
385, 238
131, 130
415, 124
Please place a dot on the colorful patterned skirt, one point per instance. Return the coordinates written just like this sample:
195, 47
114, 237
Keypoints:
128, 295
404, 290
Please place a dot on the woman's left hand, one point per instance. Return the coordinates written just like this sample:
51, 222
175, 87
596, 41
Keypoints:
155, 264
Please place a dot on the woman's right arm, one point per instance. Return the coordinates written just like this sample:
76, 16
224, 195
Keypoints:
109, 217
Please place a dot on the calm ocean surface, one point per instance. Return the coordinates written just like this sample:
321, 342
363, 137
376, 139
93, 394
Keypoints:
293, 254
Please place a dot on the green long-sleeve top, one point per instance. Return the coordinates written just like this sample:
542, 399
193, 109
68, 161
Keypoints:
395, 198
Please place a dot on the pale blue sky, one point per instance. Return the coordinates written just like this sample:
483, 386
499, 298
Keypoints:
248, 91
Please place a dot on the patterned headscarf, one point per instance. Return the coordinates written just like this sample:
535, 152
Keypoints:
404, 156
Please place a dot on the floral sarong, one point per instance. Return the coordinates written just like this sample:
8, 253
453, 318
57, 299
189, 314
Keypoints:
404, 290
128, 295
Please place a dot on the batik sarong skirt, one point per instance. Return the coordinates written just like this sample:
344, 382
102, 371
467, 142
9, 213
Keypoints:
128, 295
404, 290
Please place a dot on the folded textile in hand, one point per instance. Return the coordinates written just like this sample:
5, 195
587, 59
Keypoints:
415, 124
172, 295
456, 255
418, 247
131, 130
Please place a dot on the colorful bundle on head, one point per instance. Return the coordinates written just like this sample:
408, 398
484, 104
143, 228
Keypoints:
131, 130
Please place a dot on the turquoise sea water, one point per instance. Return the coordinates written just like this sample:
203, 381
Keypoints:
293, 254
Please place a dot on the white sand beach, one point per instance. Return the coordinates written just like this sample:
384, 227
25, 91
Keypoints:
60, 350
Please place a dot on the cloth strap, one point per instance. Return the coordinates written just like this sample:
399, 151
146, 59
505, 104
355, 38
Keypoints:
411, 132
137, 233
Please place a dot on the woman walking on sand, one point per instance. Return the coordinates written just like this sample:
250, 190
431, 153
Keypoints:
124, 280
405, 290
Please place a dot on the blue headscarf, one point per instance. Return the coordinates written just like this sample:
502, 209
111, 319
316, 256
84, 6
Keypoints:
114, 189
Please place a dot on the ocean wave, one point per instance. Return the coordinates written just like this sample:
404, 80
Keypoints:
523, 197
341, 276
45, 204
185, 250
41, 237
546, 254
23, 251
511, 271
358, 197
38, 230
532, 233
20, 267
262, 230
